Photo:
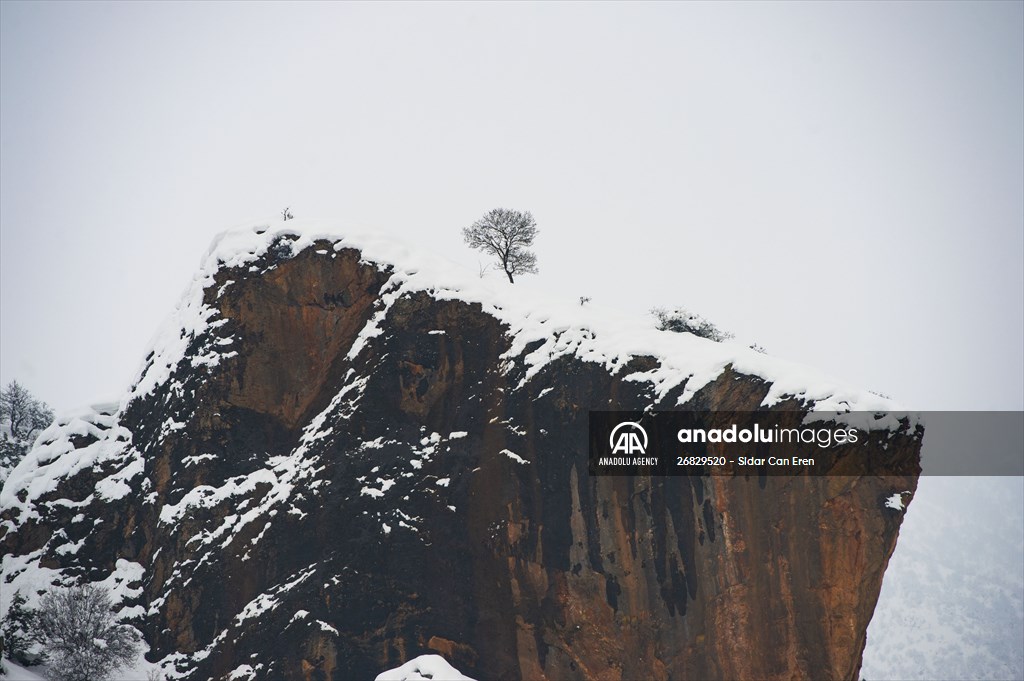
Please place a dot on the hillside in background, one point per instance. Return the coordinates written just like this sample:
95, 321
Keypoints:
952, 605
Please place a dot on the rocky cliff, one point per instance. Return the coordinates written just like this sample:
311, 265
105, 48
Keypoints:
339, 456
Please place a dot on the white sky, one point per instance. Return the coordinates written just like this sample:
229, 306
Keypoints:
841, 182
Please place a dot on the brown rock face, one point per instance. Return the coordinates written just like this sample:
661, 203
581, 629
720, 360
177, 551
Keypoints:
316, 512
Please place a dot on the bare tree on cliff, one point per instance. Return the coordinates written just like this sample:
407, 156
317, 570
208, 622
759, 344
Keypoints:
81, 637
508, 236
21, 417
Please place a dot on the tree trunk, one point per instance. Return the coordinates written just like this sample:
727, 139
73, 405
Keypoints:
510, 279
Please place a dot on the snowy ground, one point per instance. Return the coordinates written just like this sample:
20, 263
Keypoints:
14, 672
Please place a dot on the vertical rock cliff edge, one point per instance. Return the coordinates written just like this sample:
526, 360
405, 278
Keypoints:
340, 454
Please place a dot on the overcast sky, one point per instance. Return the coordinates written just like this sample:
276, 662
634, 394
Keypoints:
840, 182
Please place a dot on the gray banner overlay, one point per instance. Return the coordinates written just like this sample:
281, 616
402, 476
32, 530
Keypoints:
789, 443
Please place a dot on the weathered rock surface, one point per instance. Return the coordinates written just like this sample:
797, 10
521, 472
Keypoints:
336, 474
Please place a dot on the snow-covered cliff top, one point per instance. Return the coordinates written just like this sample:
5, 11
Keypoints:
589, 332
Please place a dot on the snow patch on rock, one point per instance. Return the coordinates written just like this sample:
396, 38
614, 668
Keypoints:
424, 668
